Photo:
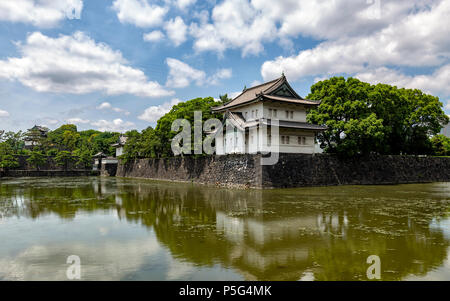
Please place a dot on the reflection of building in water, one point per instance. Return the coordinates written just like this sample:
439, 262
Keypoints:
265, 235
276, 246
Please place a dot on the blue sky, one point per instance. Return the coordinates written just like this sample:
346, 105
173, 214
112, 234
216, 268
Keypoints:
120, 64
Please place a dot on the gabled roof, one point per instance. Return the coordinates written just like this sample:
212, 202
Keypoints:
275, 90
99, 155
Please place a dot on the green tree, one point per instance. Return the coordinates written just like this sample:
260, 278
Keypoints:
441, 145
84, 158
62, 136
363, 118
8, 159
14, 140
224, 99
64, 158
70, 140
183, 110
134, 147
36, 159
352, 127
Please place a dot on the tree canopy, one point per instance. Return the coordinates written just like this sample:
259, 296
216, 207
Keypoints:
156, 143
364, 118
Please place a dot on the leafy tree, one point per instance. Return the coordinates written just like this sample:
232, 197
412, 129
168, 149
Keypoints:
224, 99
52, 152
134, 147
64, 158
36, 159
8, 159
441, 145
14, 140
363, 118
100, 141
146, 144
352, 127
84, 157
70, 140
183, 110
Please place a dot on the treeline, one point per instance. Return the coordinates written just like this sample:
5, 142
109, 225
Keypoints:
65, 144
361, 119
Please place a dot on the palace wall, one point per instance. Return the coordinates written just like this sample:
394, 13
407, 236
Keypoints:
48, 169
231, 170
292, 170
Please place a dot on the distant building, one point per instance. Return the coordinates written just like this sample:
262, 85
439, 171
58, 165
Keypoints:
252, 113
446, 131
119, 146
34, 136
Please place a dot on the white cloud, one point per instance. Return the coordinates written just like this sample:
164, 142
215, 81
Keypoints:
181, 74
401, 43
76, 64
421, 39
104, 105
183, 4
233, 95
331, 19
43, 13
77, 121
4, 113
51, 121
153, 113
447, 106
108, 106
176, 30
117, 125
255, 83
246, 25
436, 83
235, 24
153, 36
139, 12
221, 74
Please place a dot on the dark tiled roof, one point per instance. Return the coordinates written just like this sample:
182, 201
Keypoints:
297, 125
292, 100
254, 93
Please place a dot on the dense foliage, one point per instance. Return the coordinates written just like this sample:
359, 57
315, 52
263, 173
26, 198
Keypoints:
441, 145
363, 118
65, 144
156, 143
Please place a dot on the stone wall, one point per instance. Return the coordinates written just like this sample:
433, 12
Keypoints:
48, 169
292, 170
47, 173
323, 170
232, 170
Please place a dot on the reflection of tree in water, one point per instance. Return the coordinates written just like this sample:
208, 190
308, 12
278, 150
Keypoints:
35, 198
266, 235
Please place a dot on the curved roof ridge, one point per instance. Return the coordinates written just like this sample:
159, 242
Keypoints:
257, 86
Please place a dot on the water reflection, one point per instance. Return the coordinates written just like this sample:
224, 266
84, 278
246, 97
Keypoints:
137, 229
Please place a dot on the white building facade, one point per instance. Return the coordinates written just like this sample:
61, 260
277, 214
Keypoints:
267, 118
446, 131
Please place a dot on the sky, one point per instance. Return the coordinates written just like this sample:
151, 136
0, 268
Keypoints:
116, 65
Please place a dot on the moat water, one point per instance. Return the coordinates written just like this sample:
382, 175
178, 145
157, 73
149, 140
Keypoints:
129, 229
